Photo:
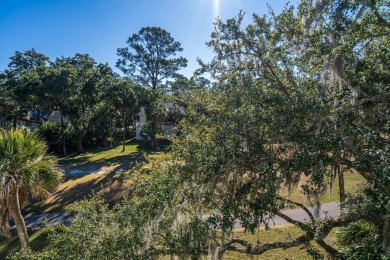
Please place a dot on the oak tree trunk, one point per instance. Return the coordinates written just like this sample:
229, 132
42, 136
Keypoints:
111, 140
124, 131
80, 137
63, 134
385, 246
153, 142
341, 188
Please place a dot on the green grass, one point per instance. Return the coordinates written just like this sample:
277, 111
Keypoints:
113, 165
352, 181
106, 171
111, 160
262, 236
103, 158
38, 241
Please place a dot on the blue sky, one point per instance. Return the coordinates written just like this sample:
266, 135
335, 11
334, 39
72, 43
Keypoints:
98, 27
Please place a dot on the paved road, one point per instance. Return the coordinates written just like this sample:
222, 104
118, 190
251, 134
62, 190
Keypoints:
328, 210
93, 171
51, 218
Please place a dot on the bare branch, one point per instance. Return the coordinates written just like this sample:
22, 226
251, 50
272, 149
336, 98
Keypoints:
297, 223
327, 247
308, 212
255, 249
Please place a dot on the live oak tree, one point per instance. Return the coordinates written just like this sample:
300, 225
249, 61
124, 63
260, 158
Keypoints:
84, 103
21, 86
150, 59
58, 80
286, 101
72, 85
354, 78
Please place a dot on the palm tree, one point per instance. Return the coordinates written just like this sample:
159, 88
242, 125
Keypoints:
25, 170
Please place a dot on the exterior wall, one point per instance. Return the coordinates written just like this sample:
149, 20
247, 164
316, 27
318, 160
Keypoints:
167, 127
142, 119
138, 127
32, 126
56, 117
140, 123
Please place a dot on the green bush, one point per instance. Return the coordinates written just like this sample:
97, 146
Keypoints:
30, 255
360, 240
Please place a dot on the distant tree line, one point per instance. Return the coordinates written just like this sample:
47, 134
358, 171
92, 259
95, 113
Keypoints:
91, 95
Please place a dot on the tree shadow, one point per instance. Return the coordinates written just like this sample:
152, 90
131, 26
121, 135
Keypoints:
92, 178
116, 164
38, 241
107, 175
86, 159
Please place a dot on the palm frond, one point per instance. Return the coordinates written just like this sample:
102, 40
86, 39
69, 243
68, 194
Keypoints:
25, 164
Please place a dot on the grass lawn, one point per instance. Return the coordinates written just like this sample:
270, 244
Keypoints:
99, 170
105, 169
352, 181
103, 158
282, 233
38, 241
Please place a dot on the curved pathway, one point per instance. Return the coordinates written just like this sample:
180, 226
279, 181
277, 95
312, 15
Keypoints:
328, 210
51, 219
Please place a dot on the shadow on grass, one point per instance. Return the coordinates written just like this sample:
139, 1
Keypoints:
78, 187
115, 164
94, 173
107, 154
92, 179
38, 241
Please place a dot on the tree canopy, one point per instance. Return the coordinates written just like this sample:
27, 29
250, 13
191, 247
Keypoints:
149, 58
83, 102
21, 86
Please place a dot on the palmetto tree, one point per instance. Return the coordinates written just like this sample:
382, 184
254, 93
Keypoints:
25, 170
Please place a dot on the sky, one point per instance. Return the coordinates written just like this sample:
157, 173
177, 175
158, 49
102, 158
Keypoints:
58, 28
